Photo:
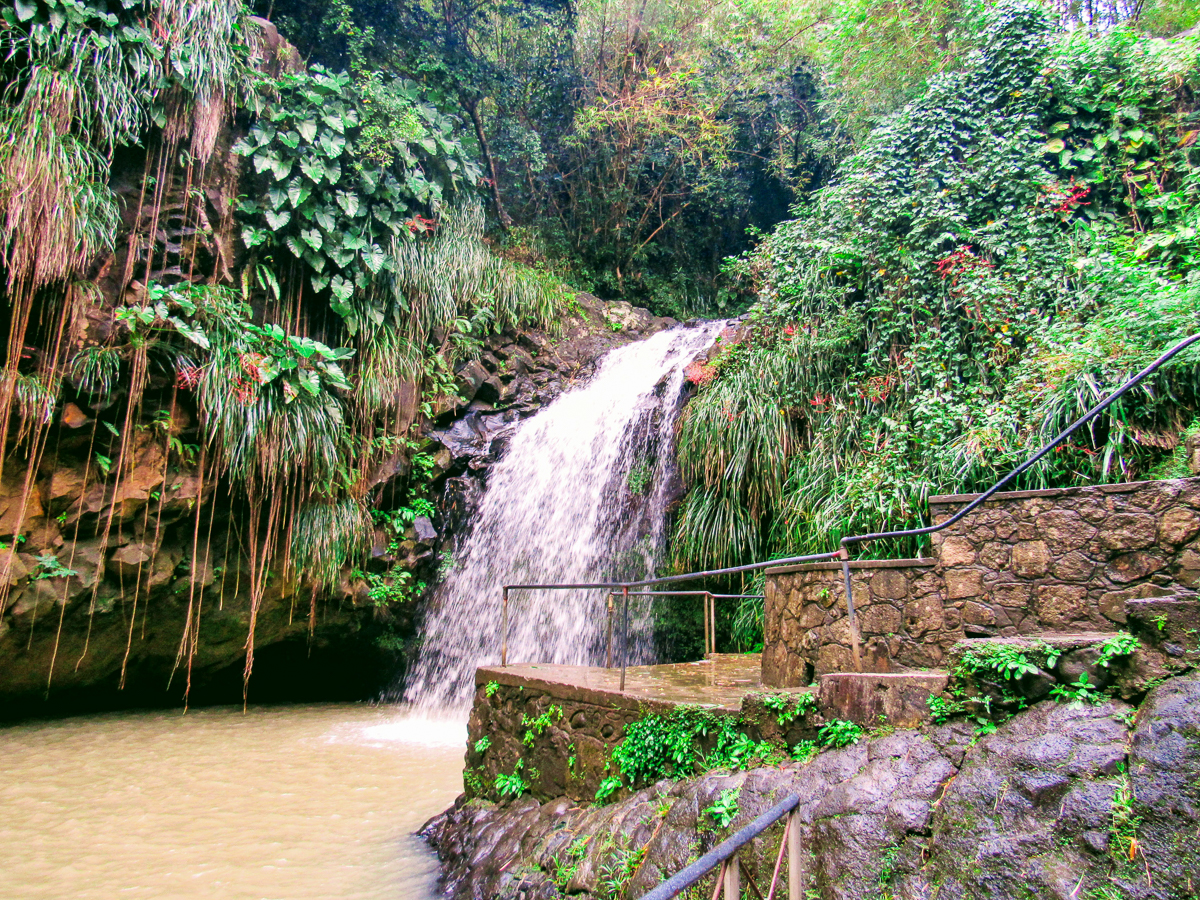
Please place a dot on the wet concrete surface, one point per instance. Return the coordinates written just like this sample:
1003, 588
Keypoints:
721, 681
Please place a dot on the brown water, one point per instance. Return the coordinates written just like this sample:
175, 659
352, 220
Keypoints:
284, 803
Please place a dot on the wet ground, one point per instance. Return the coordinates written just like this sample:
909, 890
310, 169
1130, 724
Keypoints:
721, 680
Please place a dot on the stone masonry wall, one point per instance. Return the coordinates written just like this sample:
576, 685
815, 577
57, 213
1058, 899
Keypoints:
568, 757
1026, 562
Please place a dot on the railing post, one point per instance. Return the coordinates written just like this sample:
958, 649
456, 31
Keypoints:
855, 639
712, 623
608, 653
624, 633
504, 630
795, 870
707, 632
733, 886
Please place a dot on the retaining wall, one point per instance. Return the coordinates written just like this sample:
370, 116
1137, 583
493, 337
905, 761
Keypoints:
1026, 562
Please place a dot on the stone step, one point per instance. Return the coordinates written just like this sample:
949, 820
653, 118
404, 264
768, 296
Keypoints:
1170, 625
878, 698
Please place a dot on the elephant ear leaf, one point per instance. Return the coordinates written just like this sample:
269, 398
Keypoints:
348, 202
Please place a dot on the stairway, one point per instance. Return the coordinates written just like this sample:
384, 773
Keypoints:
1062, 570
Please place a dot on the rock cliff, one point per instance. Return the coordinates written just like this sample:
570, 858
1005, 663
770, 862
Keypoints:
1062, 801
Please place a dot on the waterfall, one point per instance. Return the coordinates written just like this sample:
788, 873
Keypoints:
580, 496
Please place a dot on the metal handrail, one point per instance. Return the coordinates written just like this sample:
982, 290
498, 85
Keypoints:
982, 498
725, 853
624, 586
710, 616
842, 554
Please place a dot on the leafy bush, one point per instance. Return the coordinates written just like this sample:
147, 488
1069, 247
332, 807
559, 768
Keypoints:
513, 784
724, 809
998, 256
839, 733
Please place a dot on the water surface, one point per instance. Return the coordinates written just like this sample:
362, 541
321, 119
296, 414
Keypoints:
288, 802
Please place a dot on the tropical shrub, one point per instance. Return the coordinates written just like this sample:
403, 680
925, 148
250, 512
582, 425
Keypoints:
998, 256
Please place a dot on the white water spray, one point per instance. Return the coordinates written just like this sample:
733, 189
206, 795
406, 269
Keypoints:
580, 496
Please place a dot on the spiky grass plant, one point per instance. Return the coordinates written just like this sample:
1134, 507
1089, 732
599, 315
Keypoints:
95, 369
327, 537
453, 274
263, 437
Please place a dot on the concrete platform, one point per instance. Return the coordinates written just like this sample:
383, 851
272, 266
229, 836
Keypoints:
720, 681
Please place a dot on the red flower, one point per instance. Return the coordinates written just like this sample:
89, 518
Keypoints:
188, 377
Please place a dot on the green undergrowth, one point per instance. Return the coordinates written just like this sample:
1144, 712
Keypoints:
690, 741
1003, 666
996, 257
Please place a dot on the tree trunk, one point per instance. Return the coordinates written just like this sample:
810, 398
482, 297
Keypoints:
472, 108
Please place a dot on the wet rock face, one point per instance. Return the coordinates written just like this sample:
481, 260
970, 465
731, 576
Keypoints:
128, 569
945, 813
1164, 768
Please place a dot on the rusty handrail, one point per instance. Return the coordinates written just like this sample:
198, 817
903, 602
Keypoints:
725, 856
710, 615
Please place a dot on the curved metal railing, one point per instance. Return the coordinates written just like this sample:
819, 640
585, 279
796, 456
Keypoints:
1108, 401
842, 554
725, 856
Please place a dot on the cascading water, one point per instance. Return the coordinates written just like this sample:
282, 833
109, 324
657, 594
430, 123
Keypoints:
580, 496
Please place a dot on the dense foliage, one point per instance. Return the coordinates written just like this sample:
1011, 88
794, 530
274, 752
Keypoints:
996, 257
296, 326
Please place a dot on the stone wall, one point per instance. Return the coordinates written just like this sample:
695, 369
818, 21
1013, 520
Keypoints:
567, 758
1026, 562
899, 604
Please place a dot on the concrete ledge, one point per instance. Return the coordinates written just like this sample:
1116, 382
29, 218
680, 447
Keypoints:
924, 562
894, 698
1122, 488
519, 676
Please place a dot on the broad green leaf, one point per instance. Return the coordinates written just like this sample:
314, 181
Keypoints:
334, 374
195, 335
343, 290
282, 168
325, 218
332, 145
26, 9
302, 345
277, 219
333, 172
312, 237
310, 381
293, 243
278, 195
313, 168
1054, 145
319, 282
348, 202
373, 257
334, 121
307, 129
252, 236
